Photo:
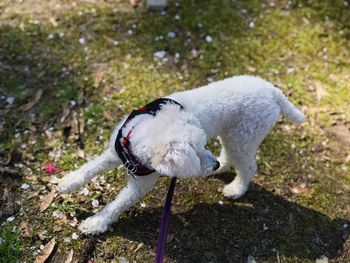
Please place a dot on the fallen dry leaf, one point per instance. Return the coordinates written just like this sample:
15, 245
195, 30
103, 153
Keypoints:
46, 252
170, 238
320, 91
27, 231
80, 153
299, 189
57, 228
47, 200
70, 257
347, 159
53, 22
32, 102
107, 115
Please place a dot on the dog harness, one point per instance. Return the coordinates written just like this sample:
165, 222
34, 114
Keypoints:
123, 145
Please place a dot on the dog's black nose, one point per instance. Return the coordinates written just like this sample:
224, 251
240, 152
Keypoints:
216, 166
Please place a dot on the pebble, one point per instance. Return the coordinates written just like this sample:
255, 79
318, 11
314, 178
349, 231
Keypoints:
10, 219
171, 35
322, 259
50, 36
209, 39
160, 54
84, 191
25, 186
10, 100
75, 236
130, 32
95, 203
251, 24
221, 202
82, 40
177, 17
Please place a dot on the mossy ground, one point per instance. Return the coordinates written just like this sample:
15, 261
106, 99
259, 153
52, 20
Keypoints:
93, 61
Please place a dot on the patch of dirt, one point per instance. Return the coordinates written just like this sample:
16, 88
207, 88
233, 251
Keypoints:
341, 133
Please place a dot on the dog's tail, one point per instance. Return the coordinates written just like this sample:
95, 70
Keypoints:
287, 108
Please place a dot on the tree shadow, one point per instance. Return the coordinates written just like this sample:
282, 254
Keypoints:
260, 224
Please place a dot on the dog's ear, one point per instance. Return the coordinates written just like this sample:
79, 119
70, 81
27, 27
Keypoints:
178, 159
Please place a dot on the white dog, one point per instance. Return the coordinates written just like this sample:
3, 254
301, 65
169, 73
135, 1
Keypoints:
169, 136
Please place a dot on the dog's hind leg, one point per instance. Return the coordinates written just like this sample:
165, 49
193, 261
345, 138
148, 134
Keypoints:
104, 162
135, 189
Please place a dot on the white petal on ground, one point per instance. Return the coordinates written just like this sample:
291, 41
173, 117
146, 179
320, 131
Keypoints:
25, 186
160, 54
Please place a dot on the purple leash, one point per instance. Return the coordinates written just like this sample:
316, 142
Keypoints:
163, 231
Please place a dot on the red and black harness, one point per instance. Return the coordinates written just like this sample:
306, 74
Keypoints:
122, 143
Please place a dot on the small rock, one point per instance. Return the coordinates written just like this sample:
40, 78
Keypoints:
130, 32
82, 41
251, 24
160, 54
199, 25
25, 186
10, 219
85, 191
322, 259
61, 34
209, 39
221, 202
10, 100
95, 203
41, 247
171, 35
345, 226
50, 36
75, 236
177, 17
143, 205
210, 79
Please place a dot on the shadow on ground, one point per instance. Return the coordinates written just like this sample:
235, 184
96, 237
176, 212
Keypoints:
262, 224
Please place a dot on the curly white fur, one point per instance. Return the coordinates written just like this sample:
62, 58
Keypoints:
240, 111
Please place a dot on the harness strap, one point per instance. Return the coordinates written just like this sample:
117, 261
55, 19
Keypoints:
122, 144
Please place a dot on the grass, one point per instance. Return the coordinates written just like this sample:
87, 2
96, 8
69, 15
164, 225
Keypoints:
94, 62
11, 245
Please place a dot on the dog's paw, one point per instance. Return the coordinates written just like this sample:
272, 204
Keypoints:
95, 225
234, 190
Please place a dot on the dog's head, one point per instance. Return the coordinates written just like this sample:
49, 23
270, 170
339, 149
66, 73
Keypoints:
173, 143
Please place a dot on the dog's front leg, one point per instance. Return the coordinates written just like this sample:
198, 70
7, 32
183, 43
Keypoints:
135, 189
102, 163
